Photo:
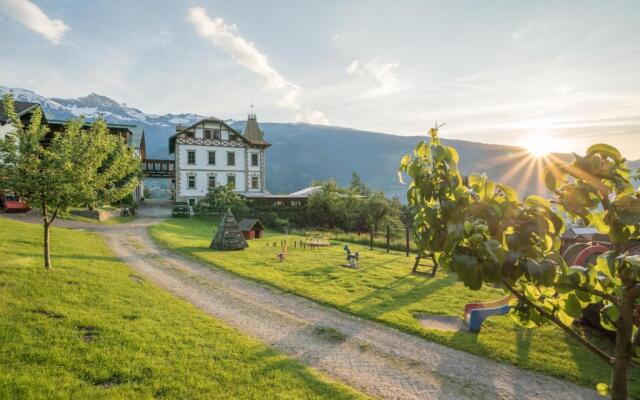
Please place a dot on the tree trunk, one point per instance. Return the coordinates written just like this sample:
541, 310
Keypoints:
624, 348
47, 252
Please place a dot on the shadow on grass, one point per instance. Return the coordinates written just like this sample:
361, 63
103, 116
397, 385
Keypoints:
69, 256
276, 364
397, 300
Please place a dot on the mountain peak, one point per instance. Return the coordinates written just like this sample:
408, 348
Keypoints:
98, 100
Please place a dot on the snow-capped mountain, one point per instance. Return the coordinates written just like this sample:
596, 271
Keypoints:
300, 152
157, 128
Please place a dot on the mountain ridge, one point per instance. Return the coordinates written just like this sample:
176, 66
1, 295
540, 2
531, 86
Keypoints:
301, 153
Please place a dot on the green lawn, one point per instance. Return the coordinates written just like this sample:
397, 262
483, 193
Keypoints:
383, 289
91, 328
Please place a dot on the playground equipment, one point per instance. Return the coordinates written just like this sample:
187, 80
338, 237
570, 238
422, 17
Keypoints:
318, 242
282, 256
572, 251
352, 258
228, 236
589, 255
419, 258
476, 313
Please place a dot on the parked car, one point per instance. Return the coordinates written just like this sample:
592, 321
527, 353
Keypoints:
180, 209
12, 203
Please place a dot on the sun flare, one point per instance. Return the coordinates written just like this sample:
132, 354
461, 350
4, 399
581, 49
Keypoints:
541, 144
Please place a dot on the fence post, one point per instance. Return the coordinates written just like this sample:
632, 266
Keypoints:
388, 237
406, 233
371, 241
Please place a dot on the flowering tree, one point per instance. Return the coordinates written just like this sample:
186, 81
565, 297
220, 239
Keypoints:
486, 235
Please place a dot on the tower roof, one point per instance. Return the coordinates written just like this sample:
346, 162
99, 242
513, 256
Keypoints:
252, 130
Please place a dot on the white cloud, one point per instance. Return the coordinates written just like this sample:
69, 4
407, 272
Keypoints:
335, 37
522, 31
225, 36
32, 17
312, 117
380, 78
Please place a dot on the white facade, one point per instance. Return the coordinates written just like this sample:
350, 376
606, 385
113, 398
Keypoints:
209, 154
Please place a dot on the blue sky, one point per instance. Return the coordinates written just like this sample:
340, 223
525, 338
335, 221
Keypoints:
495, 71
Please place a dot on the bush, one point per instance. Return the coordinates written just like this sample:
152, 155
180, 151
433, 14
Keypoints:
281, 224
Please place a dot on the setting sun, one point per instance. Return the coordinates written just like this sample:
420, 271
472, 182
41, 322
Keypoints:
541, 144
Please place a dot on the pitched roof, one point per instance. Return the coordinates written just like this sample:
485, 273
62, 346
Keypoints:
21, 107
252, 131
306, 192
248, 224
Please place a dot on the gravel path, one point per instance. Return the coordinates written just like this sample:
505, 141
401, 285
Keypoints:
374, 358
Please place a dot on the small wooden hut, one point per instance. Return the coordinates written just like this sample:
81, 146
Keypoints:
228, 236
251, 228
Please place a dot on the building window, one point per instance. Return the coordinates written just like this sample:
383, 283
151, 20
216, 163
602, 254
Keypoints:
190, 134
212, 181
296, 203
216, 134
191, 157
254, 159
254, 182
192, 202
231, 181
191, 182
212, 158
207, 134
231, 158
278, 203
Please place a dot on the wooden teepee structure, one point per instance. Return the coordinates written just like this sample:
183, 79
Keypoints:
228, 236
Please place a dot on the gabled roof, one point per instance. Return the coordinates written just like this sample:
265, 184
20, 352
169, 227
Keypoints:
21, 107
181, 129
248, 224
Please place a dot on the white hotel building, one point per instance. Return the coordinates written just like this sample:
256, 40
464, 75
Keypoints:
210, 153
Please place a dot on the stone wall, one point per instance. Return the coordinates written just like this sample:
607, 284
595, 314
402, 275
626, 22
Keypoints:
99, 215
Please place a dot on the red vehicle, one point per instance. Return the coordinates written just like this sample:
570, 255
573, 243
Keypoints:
11, 203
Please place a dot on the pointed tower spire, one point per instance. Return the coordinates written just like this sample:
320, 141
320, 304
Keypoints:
252, 130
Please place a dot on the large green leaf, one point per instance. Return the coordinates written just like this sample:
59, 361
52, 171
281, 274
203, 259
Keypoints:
605, 150
455, 157
509, 192
535, 200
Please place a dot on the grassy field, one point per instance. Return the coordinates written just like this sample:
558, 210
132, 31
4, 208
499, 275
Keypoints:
91, 328
383, 289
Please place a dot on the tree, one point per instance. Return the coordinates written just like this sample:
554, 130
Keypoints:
376, 207
222, 198
435, 191
326, 207
55, 172
494, 238
356, 186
